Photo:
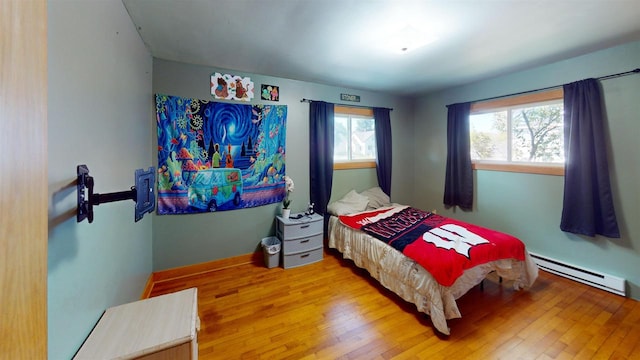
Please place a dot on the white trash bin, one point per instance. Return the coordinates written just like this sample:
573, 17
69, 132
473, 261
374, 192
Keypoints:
271, 248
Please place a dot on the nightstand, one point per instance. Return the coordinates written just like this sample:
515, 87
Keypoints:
302, 239
162, 327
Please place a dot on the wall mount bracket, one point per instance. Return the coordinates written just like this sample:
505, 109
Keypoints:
142, 193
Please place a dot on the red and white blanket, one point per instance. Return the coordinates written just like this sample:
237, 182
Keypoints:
443, 246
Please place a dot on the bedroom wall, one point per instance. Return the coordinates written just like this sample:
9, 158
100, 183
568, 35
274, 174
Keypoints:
99, 84
181, 240
529, 206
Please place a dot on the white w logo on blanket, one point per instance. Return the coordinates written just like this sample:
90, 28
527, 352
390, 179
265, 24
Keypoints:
452, 236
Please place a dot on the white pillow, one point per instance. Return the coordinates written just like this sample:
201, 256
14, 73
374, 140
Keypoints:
352, 202
377, 198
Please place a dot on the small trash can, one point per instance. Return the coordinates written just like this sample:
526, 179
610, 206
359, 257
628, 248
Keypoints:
271, 248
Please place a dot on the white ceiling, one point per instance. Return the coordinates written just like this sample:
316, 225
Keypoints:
338, 42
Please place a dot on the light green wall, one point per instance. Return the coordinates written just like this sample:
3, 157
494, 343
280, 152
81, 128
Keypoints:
529, 206
180, 240
356, 179
99, 85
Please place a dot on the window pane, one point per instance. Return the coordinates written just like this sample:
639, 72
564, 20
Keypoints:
341, 139
488, 134
537, 134
363, 138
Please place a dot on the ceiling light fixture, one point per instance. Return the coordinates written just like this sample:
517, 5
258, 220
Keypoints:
408, 39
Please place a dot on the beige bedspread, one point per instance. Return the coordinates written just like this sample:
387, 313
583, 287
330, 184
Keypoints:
412, 282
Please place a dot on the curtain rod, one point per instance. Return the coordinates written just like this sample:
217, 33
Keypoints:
606, 77
350, 105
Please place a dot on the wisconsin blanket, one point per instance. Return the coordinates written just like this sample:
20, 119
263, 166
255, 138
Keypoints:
443, 246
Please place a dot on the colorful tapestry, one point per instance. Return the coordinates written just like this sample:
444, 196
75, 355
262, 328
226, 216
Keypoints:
216, 156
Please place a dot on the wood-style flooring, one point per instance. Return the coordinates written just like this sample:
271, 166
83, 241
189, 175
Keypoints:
334, 310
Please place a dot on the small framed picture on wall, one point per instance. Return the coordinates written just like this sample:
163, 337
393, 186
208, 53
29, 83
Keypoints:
231, 87
270, 92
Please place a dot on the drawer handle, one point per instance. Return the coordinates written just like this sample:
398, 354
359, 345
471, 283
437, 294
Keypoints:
304, 241
304, 226
304, 256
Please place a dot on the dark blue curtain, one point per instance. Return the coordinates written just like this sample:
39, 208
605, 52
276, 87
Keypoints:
320, 154
588, 202
383, 146
458, 186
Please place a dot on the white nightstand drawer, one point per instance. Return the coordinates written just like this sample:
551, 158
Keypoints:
303, 258
302, 244
291, 229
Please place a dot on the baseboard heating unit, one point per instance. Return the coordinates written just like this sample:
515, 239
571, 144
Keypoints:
596, 279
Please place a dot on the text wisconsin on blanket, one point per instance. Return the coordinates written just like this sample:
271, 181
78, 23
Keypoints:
445, 247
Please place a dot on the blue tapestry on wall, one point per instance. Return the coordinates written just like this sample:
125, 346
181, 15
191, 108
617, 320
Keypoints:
215, 156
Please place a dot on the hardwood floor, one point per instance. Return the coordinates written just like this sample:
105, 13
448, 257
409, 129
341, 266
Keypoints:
333, 310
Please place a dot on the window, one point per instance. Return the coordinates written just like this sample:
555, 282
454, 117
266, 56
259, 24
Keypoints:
354, 138
523, 134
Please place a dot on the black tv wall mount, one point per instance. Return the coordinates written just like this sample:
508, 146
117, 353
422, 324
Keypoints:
142, 193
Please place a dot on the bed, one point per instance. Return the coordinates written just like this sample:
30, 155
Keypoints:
354, 229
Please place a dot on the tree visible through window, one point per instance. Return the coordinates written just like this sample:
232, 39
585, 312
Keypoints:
523, 134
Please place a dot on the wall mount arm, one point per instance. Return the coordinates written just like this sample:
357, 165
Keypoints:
142, 193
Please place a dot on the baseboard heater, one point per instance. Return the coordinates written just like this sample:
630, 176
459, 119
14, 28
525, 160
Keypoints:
596, 279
